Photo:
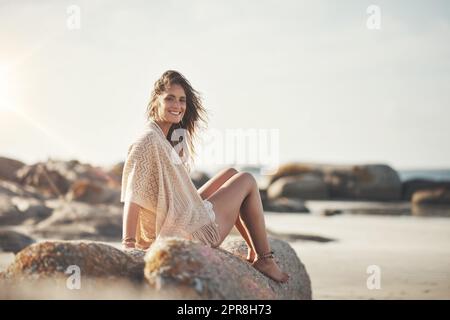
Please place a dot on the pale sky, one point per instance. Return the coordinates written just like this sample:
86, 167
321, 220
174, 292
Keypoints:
337, 91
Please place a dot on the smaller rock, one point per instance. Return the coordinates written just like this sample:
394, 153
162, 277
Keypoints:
431, 202
285, 205
331, 212
12, 241
8, 169
49, 182
93, 192
440, 196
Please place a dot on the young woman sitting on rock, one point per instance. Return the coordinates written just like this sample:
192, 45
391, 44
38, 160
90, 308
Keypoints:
159, 197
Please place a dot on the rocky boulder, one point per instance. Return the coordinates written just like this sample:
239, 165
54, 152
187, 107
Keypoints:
435, 202
93, 192
8, 168
78, 220
372, 182
287, 205
12, 241
22, 210
308, 186
48, 182
51, 259
172, 269
294, 169
363, 182
11, 189
439, 196
116, 172
186, 270
409, 187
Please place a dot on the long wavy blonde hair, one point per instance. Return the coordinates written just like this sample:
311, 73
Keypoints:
194, 118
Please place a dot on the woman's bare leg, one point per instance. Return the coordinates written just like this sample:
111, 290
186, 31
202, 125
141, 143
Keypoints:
240, 194
211, 186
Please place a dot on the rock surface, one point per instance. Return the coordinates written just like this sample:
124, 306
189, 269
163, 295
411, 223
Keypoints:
307, 186
183, 269
435, 202
284, 204
8, 168
12, 241
78, 220
373, 182
50, 259
410, 187
22, 210
172, 269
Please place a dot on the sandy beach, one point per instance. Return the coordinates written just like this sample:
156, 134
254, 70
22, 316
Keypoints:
412, 252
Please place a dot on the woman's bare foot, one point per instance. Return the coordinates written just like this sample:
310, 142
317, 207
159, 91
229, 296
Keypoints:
267, 266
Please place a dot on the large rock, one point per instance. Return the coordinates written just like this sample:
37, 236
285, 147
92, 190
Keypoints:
78, 220
409, 187
116, 173
174, 269
363, 182
308, 186
294, 169
374, 182
54, 178
51, 259
93, 192
186, 270
11, 189
8, 168
13, 241
49, 182
17, 210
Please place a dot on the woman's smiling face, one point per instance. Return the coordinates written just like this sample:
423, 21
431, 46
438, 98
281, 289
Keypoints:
172, 104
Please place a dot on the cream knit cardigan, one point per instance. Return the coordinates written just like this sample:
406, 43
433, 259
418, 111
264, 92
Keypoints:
155, 178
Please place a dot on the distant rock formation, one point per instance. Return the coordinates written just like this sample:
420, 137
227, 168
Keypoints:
8, 169
374, 182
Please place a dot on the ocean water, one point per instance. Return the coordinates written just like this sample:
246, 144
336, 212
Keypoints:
430, 174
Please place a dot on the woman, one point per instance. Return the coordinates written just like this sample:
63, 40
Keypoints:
159, 197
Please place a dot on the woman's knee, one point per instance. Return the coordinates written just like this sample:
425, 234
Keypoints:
230, 171
248, 179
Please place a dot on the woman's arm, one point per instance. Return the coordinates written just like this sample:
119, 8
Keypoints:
130, 217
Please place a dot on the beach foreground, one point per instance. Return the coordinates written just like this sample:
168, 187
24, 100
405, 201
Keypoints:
413, 254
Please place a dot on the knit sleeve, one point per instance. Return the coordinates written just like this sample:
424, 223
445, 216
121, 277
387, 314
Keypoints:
140, 175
